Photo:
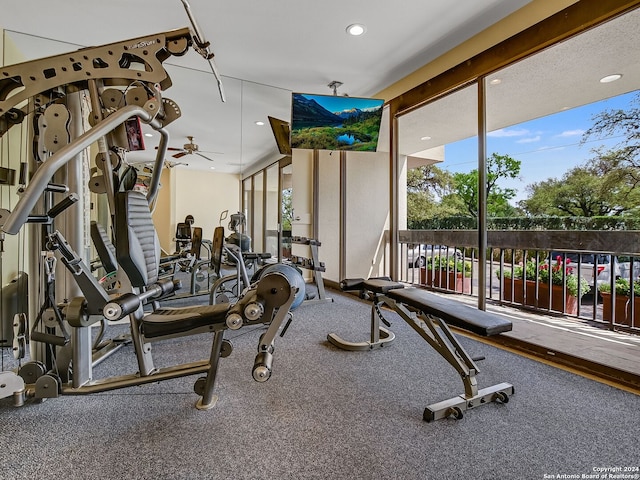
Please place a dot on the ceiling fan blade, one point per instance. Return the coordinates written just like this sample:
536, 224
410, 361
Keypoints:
173, 149
204, 156
180, 154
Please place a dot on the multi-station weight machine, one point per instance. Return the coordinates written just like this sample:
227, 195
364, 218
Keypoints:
108, 85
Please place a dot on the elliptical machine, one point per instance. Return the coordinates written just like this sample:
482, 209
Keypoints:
236, 254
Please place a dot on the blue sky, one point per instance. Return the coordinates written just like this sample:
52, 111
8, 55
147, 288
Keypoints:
335, 103
547, 147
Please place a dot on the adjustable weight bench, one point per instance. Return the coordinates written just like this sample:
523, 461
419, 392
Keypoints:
429, 315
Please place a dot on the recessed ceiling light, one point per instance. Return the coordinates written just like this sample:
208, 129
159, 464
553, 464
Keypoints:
259, 123
425, 138
611, 78
212, 168
356, 29
148, 134
495, 81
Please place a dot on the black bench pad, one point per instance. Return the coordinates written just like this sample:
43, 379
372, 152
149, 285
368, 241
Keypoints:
379, 285
452, 311
373, 284
172, 321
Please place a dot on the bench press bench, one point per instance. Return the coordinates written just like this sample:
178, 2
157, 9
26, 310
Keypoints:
430, 316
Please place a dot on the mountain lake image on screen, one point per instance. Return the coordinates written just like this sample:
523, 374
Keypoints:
330, 122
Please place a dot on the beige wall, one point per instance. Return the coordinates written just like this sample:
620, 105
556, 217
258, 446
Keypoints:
201, 194
164, 217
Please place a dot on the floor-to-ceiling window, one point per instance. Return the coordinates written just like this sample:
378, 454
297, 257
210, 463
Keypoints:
286, 209
439, 165
247, 203
559, 140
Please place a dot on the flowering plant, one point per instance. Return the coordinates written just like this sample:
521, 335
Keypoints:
623, 287
560, 274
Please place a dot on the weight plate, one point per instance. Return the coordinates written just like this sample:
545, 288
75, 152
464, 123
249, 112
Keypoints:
19, 324
112, 98
31, 371
19, 347
97, 184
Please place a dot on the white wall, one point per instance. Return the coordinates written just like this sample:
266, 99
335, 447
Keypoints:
366, 212
329, 213
302, 202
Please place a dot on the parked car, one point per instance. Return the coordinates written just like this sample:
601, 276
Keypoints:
417, 256
591, 265
622, 268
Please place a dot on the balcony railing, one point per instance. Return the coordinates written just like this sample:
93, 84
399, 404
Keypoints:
600, 258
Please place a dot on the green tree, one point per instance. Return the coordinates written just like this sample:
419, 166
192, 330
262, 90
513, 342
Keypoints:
620, 165
426, 185
498, 167
597, 188
429, 179
626, 124
578, 193
607, 184
287, 209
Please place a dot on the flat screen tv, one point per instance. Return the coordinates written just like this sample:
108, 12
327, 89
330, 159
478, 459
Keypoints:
330, 122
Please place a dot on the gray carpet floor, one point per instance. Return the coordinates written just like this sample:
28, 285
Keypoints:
324, 414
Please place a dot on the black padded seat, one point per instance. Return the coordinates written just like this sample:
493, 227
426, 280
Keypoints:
380, 285
373, 284
173, 321
452, 311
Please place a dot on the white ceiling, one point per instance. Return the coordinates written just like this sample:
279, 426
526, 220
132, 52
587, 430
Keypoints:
564, 76
264, 51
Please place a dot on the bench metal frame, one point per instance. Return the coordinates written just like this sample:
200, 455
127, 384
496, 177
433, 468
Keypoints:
380, 336
438, 335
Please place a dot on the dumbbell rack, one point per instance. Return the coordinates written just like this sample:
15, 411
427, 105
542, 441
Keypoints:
312, 264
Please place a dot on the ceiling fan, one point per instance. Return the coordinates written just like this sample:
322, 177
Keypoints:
189, 149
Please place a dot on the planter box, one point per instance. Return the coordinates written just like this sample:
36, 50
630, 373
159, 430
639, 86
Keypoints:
556, 299
622, 309
526, 295
518, 294
454, 282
